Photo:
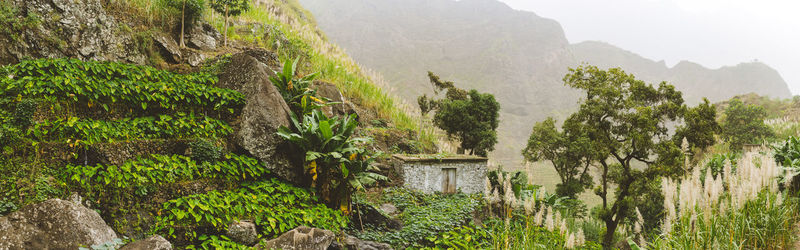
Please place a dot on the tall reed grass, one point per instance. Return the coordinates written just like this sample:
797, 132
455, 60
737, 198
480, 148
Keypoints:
736, 209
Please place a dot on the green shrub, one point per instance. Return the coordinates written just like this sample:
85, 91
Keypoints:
204, 150
23, 114
296, 91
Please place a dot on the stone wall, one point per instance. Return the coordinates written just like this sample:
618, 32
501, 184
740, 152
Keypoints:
427, 174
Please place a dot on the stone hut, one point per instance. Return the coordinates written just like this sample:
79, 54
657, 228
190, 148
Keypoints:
429, 173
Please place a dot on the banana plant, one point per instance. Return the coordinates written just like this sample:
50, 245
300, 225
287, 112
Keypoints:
337, 163
296, 91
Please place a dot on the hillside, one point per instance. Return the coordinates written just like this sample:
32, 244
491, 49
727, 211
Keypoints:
516, 55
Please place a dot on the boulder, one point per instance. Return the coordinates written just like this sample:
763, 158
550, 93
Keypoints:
369, 215
155, 242
195, 58
53, 224
264, 112
168, 47
68, 28
243, 232
301, 238
332, 93
203, 36
353, 243
389, 209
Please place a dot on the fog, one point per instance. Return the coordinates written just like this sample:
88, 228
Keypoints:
714, 33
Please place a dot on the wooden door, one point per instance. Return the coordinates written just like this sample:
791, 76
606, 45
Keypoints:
448, 180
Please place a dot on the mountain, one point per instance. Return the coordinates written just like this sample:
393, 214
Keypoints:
518, 56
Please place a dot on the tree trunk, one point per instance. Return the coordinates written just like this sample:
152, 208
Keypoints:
225, 36
608, 239
183, 22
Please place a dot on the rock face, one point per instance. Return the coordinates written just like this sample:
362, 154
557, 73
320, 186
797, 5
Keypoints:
301, 238
155, 242
261, 117
353, 243
68, 28
53, 224
243, 232
203, 36
169, 48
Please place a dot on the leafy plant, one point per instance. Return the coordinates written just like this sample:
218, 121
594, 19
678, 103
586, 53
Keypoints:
229, 8
190, 10
275, 207
86, 131
103, 84
335, 160
203, 150
744, 124
296, 91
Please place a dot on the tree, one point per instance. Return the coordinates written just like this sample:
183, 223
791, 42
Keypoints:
191, 11
744, 124
471, 117
229, 8
701, 126
570, 152
626, 121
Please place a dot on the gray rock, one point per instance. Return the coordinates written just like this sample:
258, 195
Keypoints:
155, 242
301, 238
389, 209
372, 217
69, 28
53, 224
353, 243
332, 93
243, 232
203, 36
262, 115
170, 50
195, 59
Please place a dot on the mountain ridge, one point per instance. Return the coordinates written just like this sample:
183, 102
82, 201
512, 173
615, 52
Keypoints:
518, 56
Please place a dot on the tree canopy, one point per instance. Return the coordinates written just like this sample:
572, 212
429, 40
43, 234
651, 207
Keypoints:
190, 10
700, 126
744, 124
622, 122
471, 117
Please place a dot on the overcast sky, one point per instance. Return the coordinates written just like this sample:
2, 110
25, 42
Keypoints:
713, 33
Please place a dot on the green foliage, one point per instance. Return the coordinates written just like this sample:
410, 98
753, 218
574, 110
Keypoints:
275, 207
23, 114
106, 83
87, 131
570, 152
190, 10
204, 150
7, 206
744, 124
518, 180
338, 164
788, 156
230, 7
422, 222
701, 126
12, 24
217, 242
145, 175
296, 91
464, 237
473, 121
716, 164
627, 121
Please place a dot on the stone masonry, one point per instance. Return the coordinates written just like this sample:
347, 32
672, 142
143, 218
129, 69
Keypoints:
429, 174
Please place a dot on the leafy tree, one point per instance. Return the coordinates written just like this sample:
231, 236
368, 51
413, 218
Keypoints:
191, 11
570, 152
744, 124
229, 8
626, 121
701, 126
471, 117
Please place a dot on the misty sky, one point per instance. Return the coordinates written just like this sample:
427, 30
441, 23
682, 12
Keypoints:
713, 33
